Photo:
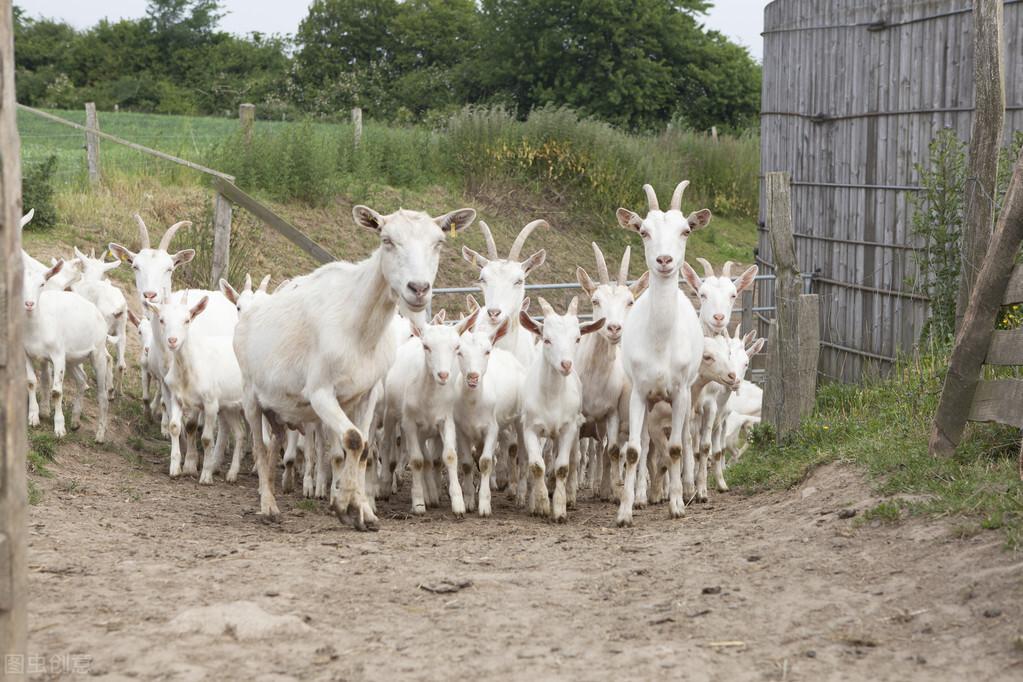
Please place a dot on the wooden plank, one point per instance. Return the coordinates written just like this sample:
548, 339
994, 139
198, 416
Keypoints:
809, 351
92, 142
985, 144
221, 239
13, 418
974, 337
292, 233
998, 400
1014, 290
1006, 348
357, 126
137, 147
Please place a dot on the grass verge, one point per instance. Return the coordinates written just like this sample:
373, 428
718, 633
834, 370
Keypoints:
883, 427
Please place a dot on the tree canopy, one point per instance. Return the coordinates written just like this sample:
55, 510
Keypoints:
634, 63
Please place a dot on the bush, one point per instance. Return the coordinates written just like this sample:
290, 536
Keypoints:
37, 189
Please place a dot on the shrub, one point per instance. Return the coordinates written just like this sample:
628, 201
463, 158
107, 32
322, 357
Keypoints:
37, 189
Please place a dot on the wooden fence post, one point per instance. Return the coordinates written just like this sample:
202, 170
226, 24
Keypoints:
247, 118
13, 493
985, 138
357, 125
221, 238
791, 378
746, 319
974, 337
92, 142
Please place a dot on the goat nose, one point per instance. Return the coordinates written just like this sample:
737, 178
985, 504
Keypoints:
614, 328
664, 261
150, 295
473, 376
566, 365
443, 376
731, 376
172, 340
419, 288
719, 317
494, 313
30, 304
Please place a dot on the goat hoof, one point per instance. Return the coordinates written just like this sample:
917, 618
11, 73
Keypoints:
624, 522
419, 509
206, 478
560, 519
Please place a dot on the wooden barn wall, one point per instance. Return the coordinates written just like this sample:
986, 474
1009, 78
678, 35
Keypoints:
849, 108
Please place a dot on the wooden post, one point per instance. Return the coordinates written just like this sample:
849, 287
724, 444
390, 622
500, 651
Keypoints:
13, 493
247, 118
714, 133
92, 142
357, 124
746, 319
974, 337
809, 346
985, 137
221, 238
786, 392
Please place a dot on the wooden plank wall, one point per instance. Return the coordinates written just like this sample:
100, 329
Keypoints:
876, 91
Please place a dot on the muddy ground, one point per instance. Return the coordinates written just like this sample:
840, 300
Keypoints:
133, 575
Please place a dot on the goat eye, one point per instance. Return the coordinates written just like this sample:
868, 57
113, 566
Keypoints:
519, 282
644, 234
708, 358
426, 348
596, 304
685, 233
387, 241
632, 303
578, 339
486, 352
547, 342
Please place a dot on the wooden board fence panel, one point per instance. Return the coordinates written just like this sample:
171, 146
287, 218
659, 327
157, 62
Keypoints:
853, 92
1006, 348
998, 400
1014, 291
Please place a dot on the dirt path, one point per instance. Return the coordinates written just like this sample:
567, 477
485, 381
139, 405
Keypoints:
158, 579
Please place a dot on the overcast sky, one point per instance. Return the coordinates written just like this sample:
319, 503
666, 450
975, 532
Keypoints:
741, 20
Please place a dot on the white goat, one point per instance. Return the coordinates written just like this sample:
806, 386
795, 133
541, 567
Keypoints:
551, 399
502, 281
717, 294
662, 344
600, 364
95, 288
488, 402
64, 330
150, 371
318, 349
203, 376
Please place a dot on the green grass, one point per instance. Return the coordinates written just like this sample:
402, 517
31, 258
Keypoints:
884, 428
42, 448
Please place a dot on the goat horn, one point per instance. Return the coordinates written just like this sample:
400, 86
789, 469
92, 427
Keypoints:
491, 245
601, 265
726, 269
171, 231
143, 233
623, 272
520, 240
708, 269
651, 198
676, 198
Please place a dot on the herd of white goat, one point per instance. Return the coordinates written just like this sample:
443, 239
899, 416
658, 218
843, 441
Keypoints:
342, 366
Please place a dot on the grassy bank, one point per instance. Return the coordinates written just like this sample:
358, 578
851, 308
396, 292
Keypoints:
884, 427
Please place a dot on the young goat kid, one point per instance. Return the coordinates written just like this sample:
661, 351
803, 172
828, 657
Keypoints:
551, 401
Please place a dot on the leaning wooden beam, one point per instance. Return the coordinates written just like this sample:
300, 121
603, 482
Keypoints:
985, 139
296, 236
974, 337
137, 147
13, 420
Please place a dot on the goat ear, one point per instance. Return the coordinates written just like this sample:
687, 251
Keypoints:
500, 331
573, 306
229, 291
534, 261
57, 267
456, 221
368, 218
591, 327
416, 331
525, 305
530, 324
471, 304
585, 282
146, 303
746, 279
248, 282
468, 323
748, 338
182, 257
699, 219
640, 285
121, 253
692, 279
757, 346
473, 257
628, 219
199, 307
107, 267
440, 317
134, 319
282, 284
